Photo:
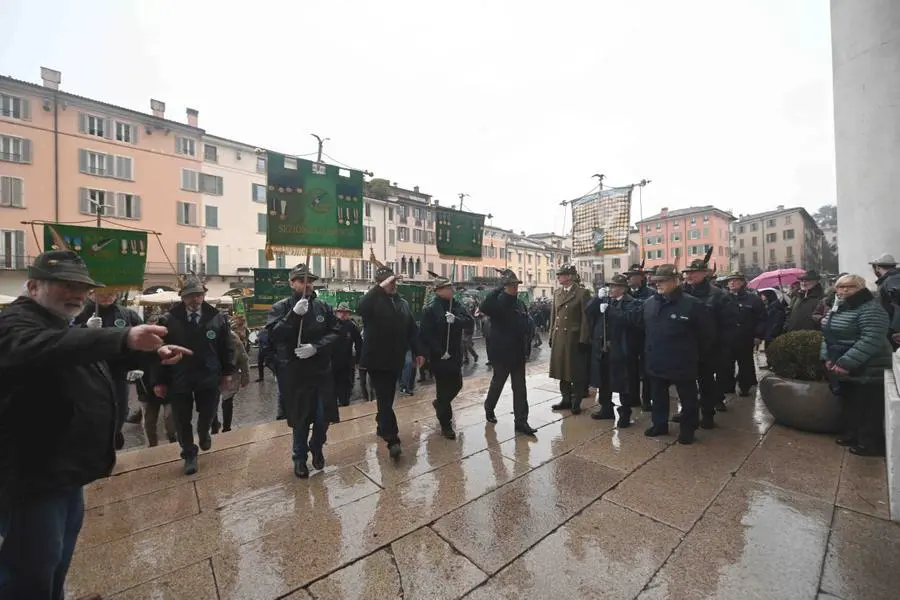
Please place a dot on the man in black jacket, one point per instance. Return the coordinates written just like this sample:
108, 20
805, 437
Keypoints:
443, 322
805, 303
347, 352
509, 341
105, 311
47, 456
304, 331
639, 290
714, 366
195, 324
390, 330
752, 318
888, 282
678, 333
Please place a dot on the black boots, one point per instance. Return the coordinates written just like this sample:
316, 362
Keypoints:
301, 471
524, 428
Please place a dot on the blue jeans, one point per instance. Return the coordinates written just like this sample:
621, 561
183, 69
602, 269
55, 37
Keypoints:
302, 440
39, 538
408, 375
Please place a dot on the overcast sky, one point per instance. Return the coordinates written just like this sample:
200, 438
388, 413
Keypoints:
517, 103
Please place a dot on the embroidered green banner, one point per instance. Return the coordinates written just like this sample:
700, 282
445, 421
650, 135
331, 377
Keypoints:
336, 297
116, 258
458, 234
314, 207
415, 296
270, 286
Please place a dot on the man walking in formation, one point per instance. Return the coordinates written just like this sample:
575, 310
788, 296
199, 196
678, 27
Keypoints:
751, 330
570, 340
303, 330
443, 323
614, 342
347, 352
45, 363
509, 345
714, 366
678, 335
107, 312
199, 379
390, 330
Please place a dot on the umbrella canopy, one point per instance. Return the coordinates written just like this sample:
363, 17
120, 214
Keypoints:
774, 279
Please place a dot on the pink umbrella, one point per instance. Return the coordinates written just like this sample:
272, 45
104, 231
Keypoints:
776, 279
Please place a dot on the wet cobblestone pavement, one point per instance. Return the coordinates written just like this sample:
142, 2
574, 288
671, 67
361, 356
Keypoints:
752, 510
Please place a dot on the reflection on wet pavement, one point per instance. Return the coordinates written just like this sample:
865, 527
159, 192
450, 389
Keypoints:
583, 510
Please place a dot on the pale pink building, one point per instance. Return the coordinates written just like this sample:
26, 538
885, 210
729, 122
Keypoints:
62, 156
680, 236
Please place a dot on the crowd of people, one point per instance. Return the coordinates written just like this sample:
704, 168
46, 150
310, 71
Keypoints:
644, 333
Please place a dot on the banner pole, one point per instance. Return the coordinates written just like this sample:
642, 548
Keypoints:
305, 283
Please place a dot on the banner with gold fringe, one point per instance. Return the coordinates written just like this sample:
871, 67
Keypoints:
458, 234
116, 258
313, 207
601, 222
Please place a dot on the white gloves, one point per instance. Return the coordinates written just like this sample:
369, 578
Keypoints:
302, 307
602, 292
95, 322
133, 376
451, 318
603, 307
305, 351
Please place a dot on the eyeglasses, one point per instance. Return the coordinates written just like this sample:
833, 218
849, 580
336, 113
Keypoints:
849, 286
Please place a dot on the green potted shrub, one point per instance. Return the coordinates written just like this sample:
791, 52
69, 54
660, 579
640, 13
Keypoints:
796, 391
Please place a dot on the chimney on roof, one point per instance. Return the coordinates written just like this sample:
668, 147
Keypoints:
158, 107
664, 211
780, 207
192, 114
51, 78
416, 189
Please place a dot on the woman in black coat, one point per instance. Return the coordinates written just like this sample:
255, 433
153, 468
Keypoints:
775, 314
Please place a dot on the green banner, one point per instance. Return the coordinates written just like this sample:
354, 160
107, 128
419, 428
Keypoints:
114, 257
415, 296
270, 286
333, 298
314, 207
458, 234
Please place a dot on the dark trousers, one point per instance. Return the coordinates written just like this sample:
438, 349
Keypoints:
710, 387
447, 387
207, 402
385, 385
687, 394
746, 367
122, 388
302, 442
605, 393
637, 391
516, 373
864, 413
261, 366
39, 538
343, 382
227, 414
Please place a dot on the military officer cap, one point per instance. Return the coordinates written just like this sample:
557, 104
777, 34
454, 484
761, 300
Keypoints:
302, 272
635, 269
192, 285
382, 273
342, 307
567, 270
736, 275
698, 264
508, 277
664, 272
885, 260
437, 281
811, 275
61, 265
619, 280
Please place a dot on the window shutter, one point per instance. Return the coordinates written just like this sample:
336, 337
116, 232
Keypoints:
109, 168
212, 260
178, 145
180, 264
109, 128
26, 151
26, 109
83, 201
179, 213
6, 191
136, 207
220, 186
120, 200
83, 161
261, 261
19, 249
134, 133
373, 236
261, 223
82, 123
192, 214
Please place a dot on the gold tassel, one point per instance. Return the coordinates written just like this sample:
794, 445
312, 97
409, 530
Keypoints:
270, 254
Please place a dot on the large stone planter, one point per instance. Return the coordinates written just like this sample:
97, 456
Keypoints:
804, 405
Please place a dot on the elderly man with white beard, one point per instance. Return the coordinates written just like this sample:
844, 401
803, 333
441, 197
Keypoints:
57, 420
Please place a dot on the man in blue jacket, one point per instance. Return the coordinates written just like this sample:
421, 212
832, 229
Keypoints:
751, 330
678, 333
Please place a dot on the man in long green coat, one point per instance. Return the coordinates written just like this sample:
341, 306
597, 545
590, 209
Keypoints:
570, 339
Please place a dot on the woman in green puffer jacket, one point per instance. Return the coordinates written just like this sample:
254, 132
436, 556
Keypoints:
856, 353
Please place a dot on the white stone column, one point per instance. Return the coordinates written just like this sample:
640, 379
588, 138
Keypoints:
865, 37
